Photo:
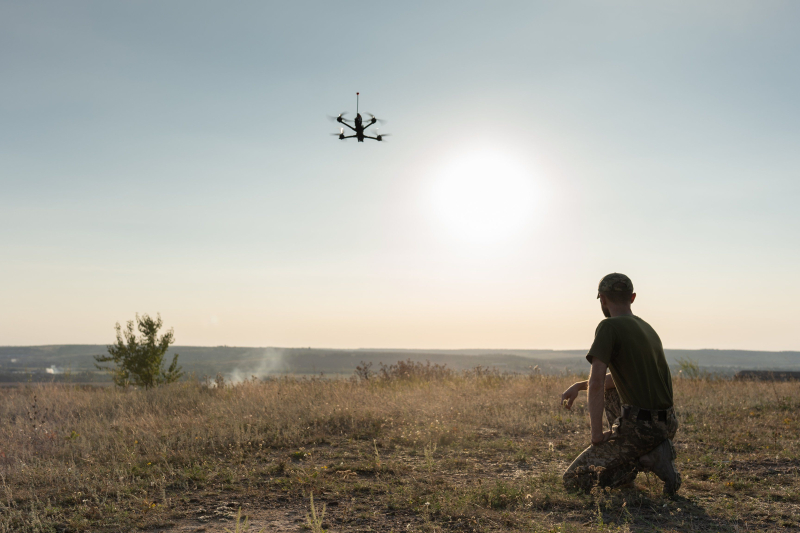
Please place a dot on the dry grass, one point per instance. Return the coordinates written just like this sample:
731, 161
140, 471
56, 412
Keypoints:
474, 452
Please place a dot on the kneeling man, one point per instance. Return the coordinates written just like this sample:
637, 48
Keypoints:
636, 398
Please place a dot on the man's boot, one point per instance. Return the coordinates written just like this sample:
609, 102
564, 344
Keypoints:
661, 462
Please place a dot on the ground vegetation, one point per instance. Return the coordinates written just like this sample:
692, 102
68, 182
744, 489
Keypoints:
406, 448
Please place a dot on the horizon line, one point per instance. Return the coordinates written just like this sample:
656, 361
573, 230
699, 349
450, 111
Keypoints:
396, 349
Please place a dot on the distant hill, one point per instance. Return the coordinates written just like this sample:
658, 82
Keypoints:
76, 362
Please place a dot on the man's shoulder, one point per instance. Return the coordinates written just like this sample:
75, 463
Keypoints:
603, 325
623, 320
623, 324
631, 327
614, 321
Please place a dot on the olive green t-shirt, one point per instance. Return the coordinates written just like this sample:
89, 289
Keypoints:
633, 352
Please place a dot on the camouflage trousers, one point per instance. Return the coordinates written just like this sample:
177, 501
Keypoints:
616, 461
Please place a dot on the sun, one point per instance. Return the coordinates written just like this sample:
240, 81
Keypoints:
483, 197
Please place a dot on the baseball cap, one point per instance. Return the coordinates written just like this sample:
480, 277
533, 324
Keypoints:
615, 282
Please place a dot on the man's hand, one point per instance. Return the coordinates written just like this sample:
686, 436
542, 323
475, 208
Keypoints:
571, 394
601, 438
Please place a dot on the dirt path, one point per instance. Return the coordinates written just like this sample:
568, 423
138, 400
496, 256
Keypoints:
274, 520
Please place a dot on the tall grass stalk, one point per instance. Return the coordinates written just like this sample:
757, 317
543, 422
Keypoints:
313, 520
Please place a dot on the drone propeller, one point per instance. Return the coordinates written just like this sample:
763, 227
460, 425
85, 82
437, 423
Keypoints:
341, 132
378, 120
336, 119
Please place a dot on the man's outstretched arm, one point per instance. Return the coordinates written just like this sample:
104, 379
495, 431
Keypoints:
569, 395
597, 389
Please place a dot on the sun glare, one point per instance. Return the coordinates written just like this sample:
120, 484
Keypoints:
483, 197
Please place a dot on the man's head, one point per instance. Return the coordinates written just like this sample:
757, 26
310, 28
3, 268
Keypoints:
616, 295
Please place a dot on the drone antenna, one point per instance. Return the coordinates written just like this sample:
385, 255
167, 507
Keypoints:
357, 103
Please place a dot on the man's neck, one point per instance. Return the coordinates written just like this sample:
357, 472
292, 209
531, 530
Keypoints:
620, 311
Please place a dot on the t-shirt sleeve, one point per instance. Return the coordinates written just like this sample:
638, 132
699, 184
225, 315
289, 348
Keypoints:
603, 344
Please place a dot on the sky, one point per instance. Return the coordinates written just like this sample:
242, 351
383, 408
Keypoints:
176, 158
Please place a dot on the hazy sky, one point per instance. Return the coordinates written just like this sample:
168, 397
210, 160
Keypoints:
175, 157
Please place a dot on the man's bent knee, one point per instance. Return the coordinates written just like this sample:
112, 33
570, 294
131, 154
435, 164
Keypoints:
580, 479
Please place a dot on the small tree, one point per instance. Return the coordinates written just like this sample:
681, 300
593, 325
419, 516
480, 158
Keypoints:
140, 361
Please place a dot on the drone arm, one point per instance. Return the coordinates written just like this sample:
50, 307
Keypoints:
346, 124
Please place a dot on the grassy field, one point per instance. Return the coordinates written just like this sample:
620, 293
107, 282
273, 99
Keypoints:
415, 449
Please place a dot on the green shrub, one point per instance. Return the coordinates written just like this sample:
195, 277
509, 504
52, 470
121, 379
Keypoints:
139, 361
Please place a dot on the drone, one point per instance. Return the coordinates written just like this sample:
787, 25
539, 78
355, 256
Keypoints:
359, 127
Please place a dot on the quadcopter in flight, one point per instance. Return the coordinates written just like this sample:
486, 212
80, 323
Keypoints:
359, 126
